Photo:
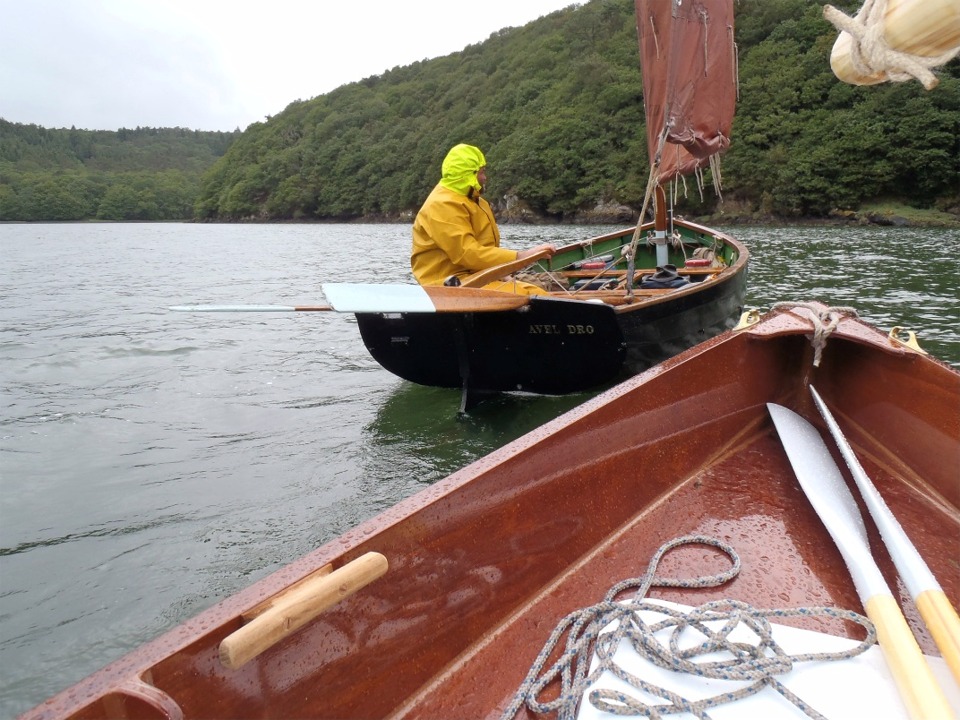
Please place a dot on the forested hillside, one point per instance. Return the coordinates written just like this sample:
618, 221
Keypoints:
556, 106
140, 174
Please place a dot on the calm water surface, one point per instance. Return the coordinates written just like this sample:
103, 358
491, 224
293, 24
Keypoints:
152, 463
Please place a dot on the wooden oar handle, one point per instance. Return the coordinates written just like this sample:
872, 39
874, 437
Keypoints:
482, 277
250, 308
296, 607
942, 621
918, 688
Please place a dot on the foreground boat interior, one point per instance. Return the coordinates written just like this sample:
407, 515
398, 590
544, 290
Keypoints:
479, 568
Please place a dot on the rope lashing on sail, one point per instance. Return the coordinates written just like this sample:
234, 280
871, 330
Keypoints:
870, 52
757, 664
704, 20
824, 322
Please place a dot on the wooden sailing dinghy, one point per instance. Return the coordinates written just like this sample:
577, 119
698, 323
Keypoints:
456, 589
589, 326
607, 310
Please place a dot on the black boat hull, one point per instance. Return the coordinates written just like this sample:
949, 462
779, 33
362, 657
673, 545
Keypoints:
552, 345
660, 331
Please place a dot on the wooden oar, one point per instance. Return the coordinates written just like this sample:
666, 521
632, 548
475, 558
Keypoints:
482, 277
932, 602
249, 308
824, 486
388, 298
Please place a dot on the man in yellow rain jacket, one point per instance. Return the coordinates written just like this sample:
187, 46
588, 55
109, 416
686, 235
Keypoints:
455, 233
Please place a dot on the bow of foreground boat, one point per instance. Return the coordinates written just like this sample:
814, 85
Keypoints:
481, 566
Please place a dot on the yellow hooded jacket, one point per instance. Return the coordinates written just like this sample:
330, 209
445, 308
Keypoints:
455, 232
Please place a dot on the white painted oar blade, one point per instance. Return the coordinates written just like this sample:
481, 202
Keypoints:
824, 486
911, 566
372, 298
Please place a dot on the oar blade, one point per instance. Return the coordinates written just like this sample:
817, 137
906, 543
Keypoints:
373, 298
386, 298
934, 606
824, 486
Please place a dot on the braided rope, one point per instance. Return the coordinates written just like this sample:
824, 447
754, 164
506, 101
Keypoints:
870, 53
758, 664
824, 323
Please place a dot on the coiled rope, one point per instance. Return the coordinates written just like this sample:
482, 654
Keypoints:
758, 664
870, 53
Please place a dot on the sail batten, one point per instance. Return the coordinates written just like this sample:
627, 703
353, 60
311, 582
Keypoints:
688, 58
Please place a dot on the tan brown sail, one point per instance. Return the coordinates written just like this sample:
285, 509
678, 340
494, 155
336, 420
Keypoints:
688, 56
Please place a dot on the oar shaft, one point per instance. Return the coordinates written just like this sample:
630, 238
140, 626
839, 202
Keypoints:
483, 277
934, 606
250, 308
942, 621
918, 688
824, 486
912, 567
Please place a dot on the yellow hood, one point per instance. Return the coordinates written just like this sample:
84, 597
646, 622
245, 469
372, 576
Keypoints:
460, 166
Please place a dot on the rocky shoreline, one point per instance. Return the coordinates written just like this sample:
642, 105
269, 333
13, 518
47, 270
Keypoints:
510, 210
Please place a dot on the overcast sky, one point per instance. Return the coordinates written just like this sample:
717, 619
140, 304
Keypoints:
218, 64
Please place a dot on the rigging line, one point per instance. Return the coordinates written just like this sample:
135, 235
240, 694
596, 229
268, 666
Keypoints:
735, 60
631, 250
706, 55
656, 40
652, 181
716, 175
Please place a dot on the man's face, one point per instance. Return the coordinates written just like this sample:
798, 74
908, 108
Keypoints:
482, 176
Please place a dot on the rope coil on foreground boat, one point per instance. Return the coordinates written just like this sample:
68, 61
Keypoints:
758, 663
824, 323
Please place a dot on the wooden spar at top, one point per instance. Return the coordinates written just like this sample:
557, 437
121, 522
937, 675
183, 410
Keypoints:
925, 33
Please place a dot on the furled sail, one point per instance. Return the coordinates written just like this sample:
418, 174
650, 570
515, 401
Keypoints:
689, 63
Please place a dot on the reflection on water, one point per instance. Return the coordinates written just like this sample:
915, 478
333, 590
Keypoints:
418, 420
154, 462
